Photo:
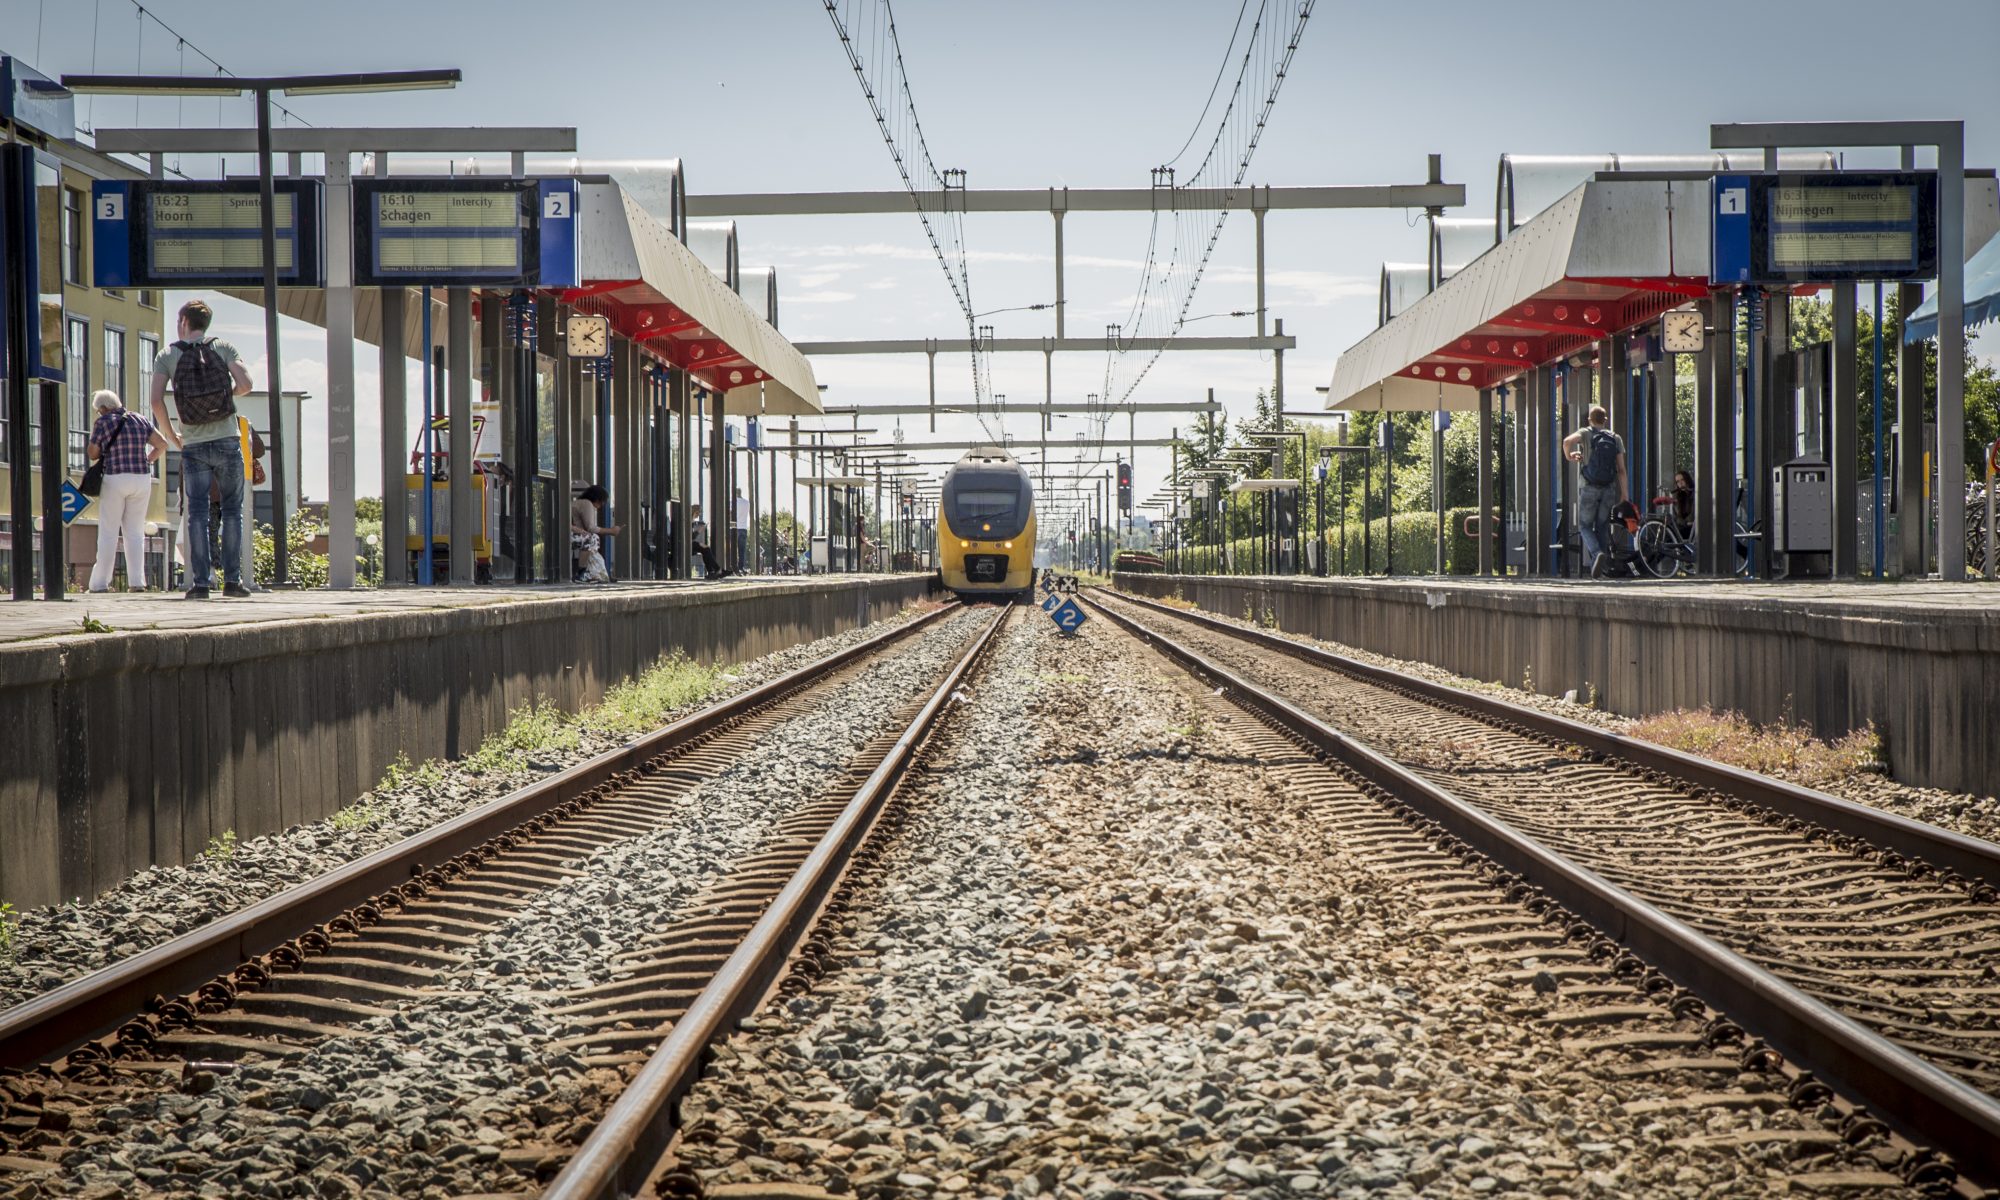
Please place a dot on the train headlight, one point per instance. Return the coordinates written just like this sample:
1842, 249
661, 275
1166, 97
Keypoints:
1006, 545
986, 528
963, 544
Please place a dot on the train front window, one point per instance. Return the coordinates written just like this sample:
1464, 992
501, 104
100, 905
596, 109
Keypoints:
987, 506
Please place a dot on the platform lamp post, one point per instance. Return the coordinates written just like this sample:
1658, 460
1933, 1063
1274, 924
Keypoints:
261, 87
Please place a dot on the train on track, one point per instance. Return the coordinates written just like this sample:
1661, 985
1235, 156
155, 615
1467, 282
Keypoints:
986, 527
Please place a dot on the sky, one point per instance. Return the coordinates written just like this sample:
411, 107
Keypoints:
757, 95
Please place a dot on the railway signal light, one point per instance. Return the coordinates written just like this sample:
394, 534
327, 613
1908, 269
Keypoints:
1125, 487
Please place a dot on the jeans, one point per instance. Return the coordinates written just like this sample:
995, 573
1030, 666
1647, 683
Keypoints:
742, 559
121, 509
1594, 503
219, 462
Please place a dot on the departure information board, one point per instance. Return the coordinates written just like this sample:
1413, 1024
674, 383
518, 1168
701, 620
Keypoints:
1825, 226
465, 232
154, 233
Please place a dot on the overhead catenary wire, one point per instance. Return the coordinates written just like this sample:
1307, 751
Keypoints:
1166, 288
867, 32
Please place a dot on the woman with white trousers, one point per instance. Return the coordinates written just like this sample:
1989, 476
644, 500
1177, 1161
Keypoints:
127, 444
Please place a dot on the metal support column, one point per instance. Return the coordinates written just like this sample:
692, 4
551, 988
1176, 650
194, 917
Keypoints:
394, 370
339, 227
718, 485
1484, 522
1951, 356
1060, 303
1257, 215
1842, 441
563, 407
1715, 442
55, 463
521, 332
1663, 422
1913, 486
685, 494
458, 375
615, 441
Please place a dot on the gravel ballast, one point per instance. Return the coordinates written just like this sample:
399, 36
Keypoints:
57, 943
465, 1092
1108, 955
1961, 812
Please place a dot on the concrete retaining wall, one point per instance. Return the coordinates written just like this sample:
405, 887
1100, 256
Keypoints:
1927, 678
125, 750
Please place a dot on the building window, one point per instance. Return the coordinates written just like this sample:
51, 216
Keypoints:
76, 371
149, 298
149, 349
172, 459
73, 227
114, 364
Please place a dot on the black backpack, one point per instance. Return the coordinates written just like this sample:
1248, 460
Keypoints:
1600, 466
204, 391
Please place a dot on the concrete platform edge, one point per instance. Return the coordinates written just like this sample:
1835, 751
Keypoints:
131, 749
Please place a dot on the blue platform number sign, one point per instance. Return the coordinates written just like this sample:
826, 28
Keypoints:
1048, 583
73, 502
1729, 229
1069, 616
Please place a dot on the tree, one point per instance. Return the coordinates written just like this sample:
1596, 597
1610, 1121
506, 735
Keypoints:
368, 508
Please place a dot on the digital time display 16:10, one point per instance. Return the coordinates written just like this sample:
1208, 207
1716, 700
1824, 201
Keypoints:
448, 233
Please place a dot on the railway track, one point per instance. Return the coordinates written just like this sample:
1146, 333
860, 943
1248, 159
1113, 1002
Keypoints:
310, 965
1862, 947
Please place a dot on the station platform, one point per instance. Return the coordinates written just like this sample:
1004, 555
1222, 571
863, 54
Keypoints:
134, 746
1920, 661
131, 612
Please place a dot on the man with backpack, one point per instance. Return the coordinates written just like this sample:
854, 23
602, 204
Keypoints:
1602, 455
207, 376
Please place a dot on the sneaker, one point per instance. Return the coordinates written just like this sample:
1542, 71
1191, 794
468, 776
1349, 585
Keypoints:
1597, 566
236, 591
196, 593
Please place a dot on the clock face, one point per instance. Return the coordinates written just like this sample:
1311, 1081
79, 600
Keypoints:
589, 337
1683, 332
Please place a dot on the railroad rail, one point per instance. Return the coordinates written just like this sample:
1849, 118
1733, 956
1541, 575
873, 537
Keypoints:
208, 968
626, 1148
1923, 1102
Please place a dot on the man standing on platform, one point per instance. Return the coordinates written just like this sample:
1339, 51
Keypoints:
207, 375
739, 525
1602, 454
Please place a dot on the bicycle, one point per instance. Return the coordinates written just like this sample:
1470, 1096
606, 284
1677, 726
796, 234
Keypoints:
1664, 551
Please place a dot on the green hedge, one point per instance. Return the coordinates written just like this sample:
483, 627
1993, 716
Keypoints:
1413, 545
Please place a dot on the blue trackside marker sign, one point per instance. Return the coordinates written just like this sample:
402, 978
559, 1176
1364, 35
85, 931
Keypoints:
1069, 616
1048, 583
73, 502
1049, 602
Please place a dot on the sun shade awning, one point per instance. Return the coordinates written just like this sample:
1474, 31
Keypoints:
1601, 259
658, 293
1982, 295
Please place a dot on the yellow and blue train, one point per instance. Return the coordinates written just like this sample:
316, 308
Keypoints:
986, 527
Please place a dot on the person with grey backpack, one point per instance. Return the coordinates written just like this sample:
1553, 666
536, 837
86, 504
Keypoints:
207, 376
1601, 455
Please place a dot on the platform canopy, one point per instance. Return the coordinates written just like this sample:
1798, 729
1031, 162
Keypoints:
1264, 485
1603, 258
658, 293
1982, 295
1611, 254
